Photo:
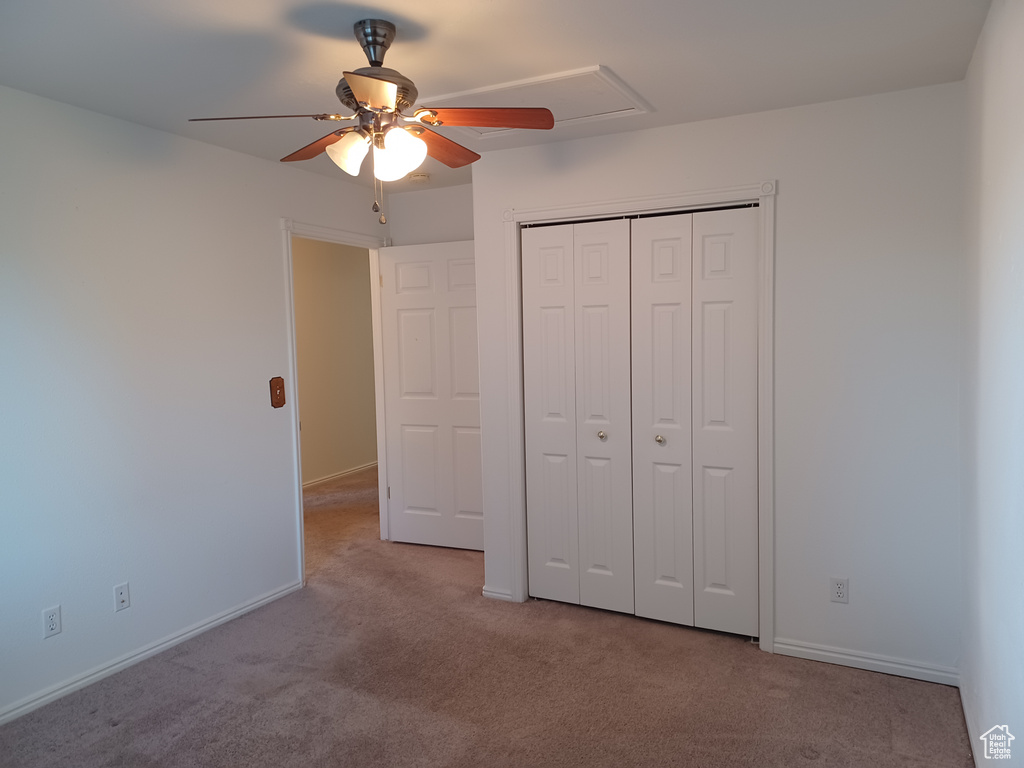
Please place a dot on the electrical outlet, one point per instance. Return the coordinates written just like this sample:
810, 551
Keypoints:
839, 590
51, 622
122, 599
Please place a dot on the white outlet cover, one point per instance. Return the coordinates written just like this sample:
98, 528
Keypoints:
837, 587
51, 622
122, 599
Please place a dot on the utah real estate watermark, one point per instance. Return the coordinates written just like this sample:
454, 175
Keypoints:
997, 742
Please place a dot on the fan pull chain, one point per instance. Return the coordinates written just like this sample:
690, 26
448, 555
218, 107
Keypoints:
378, 200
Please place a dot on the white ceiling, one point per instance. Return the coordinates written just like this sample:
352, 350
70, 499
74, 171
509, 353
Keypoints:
160, 62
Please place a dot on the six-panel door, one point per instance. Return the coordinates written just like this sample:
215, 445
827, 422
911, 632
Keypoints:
432, 394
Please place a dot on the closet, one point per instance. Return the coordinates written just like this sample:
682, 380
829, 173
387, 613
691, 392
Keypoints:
640, 403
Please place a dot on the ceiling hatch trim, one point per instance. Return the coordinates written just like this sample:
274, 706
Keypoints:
577, 96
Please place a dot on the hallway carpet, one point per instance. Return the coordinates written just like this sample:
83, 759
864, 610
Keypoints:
391, 657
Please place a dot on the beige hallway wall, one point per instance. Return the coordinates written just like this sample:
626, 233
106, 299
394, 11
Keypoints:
334, 346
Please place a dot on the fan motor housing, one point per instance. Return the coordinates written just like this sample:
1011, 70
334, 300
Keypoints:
407, 93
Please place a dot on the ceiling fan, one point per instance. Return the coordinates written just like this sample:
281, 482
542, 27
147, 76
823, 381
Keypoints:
380, 99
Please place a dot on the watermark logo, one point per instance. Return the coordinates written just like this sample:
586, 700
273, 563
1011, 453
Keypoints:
997, 742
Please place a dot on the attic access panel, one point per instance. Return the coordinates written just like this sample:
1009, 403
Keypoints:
578, 96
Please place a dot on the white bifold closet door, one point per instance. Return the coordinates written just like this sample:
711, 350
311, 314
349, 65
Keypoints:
577, 405
640, 398
662, 455
725, 420
694, 310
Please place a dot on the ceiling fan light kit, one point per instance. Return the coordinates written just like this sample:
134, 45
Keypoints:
399, 154
349, 151
379, 97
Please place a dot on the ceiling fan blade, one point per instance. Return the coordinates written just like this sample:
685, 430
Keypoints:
312, 150
495, 117
447, 151
267, 117
372, 91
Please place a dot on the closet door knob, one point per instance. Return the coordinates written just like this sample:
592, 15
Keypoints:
602, 435
659, 440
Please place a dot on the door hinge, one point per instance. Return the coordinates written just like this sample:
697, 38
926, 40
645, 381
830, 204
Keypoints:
389, 492
381, 276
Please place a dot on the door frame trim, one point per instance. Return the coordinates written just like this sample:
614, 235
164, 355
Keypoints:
290, 228
763, 193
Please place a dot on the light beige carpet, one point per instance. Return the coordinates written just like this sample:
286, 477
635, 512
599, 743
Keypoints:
391, 657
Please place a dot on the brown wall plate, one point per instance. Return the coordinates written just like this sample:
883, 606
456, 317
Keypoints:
277, 392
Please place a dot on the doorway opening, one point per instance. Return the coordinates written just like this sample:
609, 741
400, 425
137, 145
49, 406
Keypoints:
334, 359
334, 387
336, 379
425, 403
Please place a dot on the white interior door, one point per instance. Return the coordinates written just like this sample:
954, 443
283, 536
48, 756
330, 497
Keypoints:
725, 420
662, 488
603, 423
432, 394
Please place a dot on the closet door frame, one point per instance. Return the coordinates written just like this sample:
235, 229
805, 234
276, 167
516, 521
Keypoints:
762, 193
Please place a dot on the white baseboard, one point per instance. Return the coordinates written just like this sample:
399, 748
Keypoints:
496, 595
336, 475
870, 661
78, 682
974, 729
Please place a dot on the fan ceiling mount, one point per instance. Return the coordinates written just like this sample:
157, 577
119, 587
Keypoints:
380, 99
375, 36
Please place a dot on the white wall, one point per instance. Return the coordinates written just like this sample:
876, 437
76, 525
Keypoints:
443, 215
334, 351
992, 674
142, 313
868, 266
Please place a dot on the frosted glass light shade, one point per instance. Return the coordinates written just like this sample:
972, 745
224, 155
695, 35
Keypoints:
402, 154
349, 151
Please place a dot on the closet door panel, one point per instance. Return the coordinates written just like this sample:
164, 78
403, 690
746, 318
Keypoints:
725, 420
662, 489
549, 401
603, 423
